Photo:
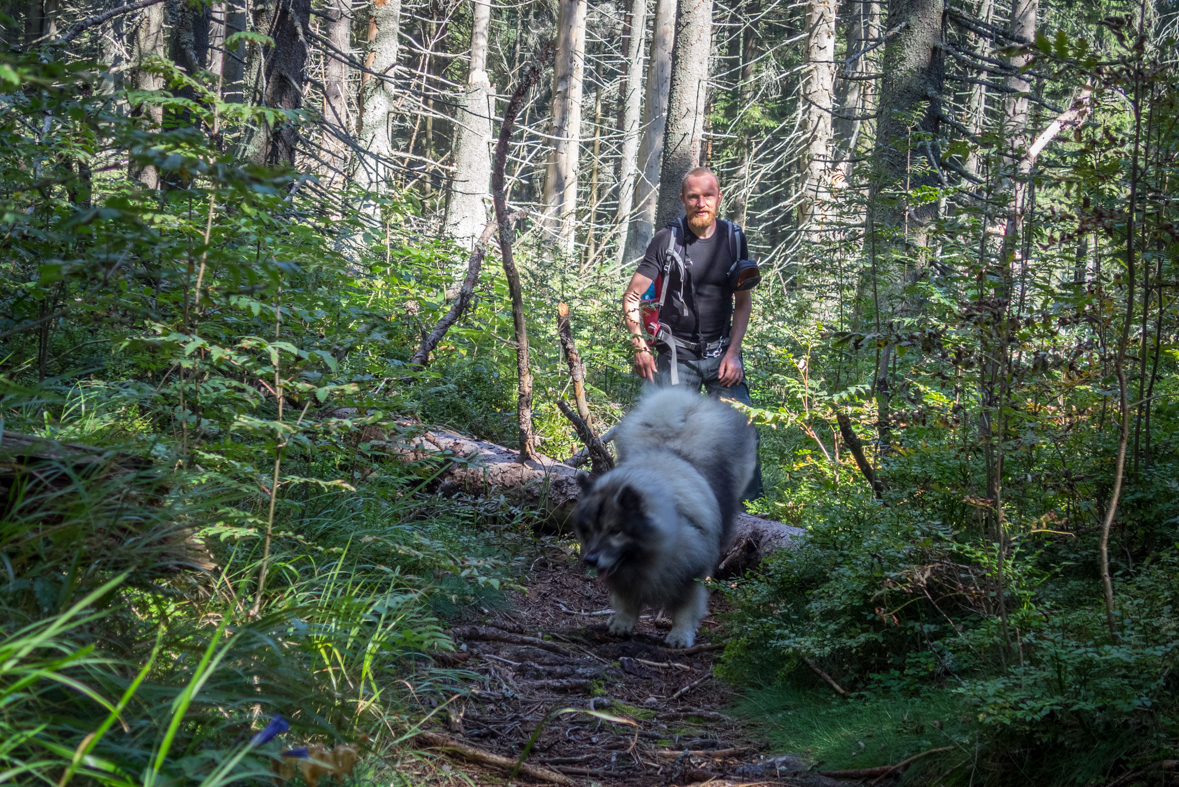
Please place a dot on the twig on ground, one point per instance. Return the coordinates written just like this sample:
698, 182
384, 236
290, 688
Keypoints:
707, 715
487, 634
689, 687
903, 764
665, 665
878, 772
1161, 765
450, 745
692, 651
558, 684
591, 614
842, 692
675, 754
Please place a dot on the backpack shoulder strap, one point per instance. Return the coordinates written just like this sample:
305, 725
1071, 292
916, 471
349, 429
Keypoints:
736, 238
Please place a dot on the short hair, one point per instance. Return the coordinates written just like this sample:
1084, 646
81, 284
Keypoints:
697, 172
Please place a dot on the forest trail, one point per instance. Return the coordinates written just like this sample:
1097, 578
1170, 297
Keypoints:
550, 650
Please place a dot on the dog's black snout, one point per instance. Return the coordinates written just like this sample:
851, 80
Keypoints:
591, 559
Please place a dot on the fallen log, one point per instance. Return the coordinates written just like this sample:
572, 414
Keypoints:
450, 745
546, 485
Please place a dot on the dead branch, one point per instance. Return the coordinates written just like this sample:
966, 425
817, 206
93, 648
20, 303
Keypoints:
880, 771
450, 745
689, 687
692, 651
900, 765
97, 19
499, 197
600, 459
852, 440
672, 754
573, 358
582, 456
474, 265
487, 634
842, 692
558, 684
1161, 765
707, 715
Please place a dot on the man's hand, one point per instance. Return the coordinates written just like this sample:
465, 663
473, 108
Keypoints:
645, 364
731, 371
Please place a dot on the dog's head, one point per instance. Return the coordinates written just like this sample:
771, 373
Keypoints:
610, 523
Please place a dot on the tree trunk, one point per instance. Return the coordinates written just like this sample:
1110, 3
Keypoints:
147, 40
229, 17
335, 93
739, 202
284, 74
642, 228
857, 94
628, 121
913, 78
560, 183
376, 102
818, 104
467, 211
595, 177
914, 74
976, 104
683, 140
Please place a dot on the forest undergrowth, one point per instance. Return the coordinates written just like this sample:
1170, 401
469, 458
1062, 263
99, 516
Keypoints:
221, 531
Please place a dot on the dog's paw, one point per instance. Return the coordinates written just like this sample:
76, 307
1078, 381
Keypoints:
681, 638
621, 625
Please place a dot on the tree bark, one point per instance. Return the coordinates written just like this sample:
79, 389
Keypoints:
147, 40
467, 209
683, 139
335, 93
642, 227
560, 183
631, 90
818, 104
376, 101
284, 73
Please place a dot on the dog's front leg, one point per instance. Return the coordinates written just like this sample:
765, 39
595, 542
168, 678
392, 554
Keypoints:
626, 613
685, 620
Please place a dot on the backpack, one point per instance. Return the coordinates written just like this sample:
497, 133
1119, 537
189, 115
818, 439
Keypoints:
652, 302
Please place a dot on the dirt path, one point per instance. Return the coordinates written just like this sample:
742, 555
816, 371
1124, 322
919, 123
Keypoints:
550, 650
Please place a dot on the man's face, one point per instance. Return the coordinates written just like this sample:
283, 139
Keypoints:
701, 197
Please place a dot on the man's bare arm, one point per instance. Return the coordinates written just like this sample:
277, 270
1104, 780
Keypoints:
632, 312
731, 370
742, 311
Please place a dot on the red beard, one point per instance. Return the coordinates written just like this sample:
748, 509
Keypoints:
702, 220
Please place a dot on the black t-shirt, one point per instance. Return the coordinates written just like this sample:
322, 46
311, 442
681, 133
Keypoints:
707, 292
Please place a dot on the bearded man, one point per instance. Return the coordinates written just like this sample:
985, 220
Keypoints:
702, 315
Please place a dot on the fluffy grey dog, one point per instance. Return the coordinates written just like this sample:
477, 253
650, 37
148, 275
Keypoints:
656, 524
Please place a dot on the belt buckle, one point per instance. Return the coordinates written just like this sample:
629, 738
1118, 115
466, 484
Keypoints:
713, 352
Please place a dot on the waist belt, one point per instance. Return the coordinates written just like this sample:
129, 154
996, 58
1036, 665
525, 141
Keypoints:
704, 349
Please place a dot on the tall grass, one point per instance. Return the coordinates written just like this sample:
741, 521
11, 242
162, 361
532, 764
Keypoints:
121, 665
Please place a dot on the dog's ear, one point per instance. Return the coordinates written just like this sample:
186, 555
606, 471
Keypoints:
585, 482
628, 498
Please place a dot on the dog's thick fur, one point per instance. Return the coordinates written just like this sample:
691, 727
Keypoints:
657, 523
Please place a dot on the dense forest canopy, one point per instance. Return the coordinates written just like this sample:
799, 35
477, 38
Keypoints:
258, 253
